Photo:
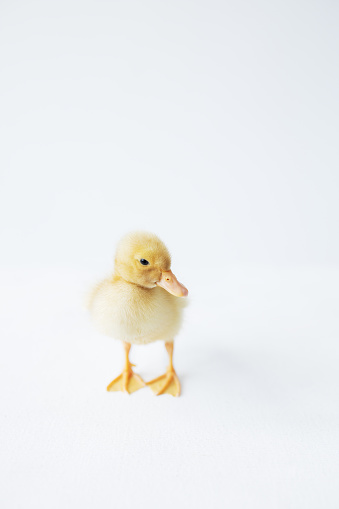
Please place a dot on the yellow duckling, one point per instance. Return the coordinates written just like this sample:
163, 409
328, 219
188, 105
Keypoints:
139, 304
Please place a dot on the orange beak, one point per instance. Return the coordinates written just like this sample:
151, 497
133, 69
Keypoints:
170, 283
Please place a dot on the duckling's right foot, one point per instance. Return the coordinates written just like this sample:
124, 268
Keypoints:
128, 382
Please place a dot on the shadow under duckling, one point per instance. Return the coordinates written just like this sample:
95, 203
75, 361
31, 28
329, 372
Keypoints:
140, 303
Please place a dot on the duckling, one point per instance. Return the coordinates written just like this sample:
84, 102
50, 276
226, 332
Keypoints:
140, 303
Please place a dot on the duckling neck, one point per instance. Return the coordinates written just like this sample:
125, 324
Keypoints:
117, 278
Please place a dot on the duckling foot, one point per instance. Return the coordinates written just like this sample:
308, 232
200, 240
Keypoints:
166, 384
128, 382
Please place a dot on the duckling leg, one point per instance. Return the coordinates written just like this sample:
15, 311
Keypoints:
128, 381
169, 382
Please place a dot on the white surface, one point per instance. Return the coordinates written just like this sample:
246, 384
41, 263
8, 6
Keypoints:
214, 121
215, 125
257, 424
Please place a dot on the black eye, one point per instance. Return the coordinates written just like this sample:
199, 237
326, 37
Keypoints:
144, 262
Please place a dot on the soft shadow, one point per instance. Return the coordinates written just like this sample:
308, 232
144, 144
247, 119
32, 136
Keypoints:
249, 374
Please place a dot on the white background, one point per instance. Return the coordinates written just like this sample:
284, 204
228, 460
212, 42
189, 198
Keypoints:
215, 125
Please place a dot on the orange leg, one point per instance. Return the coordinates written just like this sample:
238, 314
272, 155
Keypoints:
169, 382
128, 381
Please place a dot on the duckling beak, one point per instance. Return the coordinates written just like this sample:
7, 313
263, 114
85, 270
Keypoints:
170, 283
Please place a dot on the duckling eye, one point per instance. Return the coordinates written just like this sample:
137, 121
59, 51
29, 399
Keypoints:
144, 262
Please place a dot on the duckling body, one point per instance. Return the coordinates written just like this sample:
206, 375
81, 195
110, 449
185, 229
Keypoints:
139, 304
135, 314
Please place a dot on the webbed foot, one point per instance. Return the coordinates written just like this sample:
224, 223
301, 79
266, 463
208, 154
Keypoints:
128, 382
166, 384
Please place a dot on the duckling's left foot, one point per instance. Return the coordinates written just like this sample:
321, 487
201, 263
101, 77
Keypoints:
169, 382
166, 384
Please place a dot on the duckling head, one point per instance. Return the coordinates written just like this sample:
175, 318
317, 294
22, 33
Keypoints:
143, 259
